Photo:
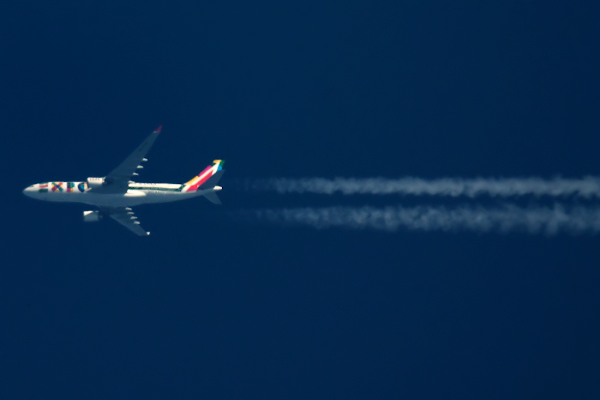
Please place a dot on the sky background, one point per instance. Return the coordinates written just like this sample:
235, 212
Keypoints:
213, 307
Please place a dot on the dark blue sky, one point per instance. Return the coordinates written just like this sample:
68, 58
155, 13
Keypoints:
209, 307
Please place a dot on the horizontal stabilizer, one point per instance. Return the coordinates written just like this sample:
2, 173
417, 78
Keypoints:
212, 197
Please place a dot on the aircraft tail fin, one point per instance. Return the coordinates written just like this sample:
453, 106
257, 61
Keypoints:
207, 178
213, 180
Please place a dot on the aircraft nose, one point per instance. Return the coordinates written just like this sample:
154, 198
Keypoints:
28, 191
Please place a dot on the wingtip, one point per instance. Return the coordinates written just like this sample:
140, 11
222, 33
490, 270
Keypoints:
158, 129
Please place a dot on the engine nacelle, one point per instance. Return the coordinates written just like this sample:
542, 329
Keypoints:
95, 182
92, 216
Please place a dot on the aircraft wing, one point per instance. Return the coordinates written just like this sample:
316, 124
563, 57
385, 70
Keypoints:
125, 217
117, 181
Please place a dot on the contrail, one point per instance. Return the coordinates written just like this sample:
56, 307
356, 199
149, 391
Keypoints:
503, 219
586, 187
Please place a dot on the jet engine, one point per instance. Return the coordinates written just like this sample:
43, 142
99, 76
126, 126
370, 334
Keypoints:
92, 216
95, 182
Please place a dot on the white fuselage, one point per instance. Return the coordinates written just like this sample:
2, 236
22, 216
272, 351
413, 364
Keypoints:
138, 193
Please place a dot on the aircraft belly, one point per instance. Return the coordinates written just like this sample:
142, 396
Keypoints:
61, 197
120, 200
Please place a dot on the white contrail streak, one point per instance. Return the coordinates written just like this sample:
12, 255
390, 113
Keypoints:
504, 219
587, 187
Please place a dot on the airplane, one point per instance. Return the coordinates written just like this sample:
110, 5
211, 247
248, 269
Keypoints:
116, 193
